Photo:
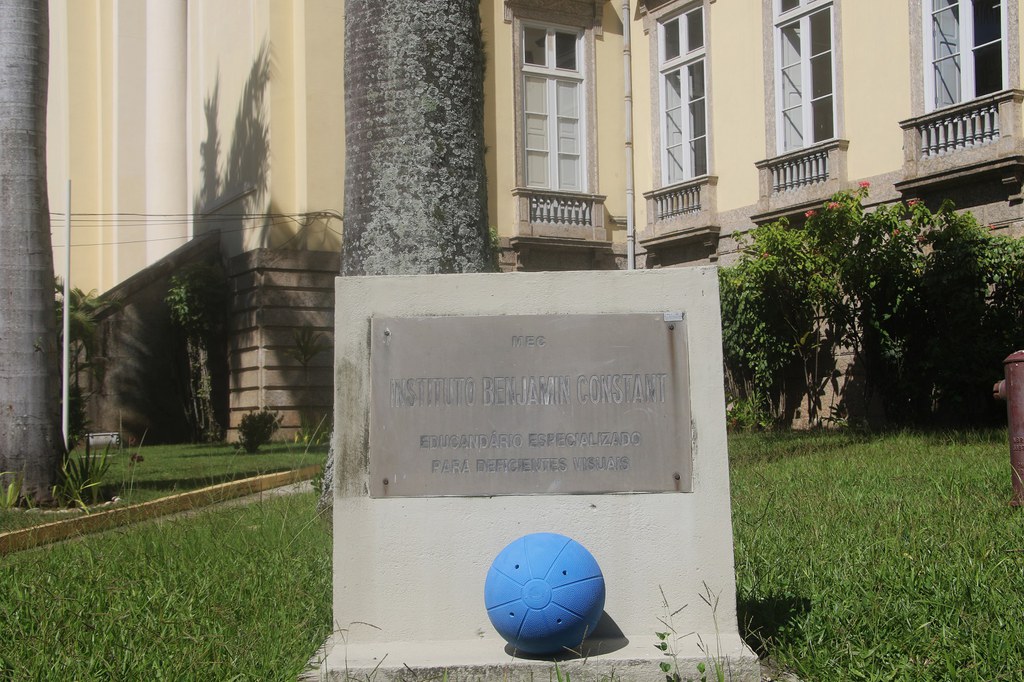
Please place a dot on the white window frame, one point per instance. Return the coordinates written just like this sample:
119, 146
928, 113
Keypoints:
965, 37
802, 14
552, 76
681, 64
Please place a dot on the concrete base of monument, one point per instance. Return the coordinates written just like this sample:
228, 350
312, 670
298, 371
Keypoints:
628, 658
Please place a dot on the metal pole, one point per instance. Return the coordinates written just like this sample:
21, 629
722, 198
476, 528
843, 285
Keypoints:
66, 370
627, 65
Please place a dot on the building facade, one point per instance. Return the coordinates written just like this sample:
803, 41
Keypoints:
677, 125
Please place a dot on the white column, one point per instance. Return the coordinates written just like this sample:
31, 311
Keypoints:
166, 136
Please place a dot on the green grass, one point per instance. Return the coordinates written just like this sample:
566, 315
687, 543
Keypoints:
858, 557
880, 558
228, 594
169, 469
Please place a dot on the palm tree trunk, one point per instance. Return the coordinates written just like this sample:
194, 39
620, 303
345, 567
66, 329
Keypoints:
30, 441
415, 184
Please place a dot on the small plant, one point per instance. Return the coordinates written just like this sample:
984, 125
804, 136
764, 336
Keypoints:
308, 343
257, 428
670, 669
80, 479
11, 493
715, 663
313, 429
667, 642
318, 482
749, 413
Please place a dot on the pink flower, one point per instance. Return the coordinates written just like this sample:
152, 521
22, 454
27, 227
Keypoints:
864, 184
833, 204
765, 254
991, 227
913, 202
811, 213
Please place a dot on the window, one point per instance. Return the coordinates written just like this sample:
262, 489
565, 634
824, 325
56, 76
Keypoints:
964, 50
683, 97
804, 73
553, 109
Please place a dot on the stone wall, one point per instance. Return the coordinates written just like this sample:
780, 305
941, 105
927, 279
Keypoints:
274, 294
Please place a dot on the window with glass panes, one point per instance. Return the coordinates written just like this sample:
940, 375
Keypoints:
805, 84
683, 97
964, 48
553, 120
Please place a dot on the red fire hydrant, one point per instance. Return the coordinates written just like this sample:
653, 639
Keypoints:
1011, 389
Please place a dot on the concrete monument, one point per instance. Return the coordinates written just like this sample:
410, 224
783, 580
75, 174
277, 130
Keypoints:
472, 410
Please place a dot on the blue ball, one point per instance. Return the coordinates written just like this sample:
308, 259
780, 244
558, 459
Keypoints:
544, 593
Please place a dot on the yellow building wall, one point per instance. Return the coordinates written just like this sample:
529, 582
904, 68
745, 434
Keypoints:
875, 90
226, 41
287, 106
736, 89
77, 92
499, 116
97, 117
129, 138
322, 129
301, 115
609, 85
644, 153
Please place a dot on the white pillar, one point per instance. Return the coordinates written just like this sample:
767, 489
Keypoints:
166, 136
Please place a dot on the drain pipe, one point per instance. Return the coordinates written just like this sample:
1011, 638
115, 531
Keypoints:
627, 65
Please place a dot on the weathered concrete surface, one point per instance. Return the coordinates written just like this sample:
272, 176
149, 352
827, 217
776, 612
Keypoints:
409, 572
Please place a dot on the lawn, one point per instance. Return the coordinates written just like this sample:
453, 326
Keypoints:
230, 593
169, 469
880, 558
885, 557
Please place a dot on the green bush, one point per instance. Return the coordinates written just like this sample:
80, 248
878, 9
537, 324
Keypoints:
257, 428
928, 303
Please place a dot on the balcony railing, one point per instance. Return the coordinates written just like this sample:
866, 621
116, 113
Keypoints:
677, 201
959, 144
561, 210
791, 182
960, 129
559, 215
682, 222
793, 172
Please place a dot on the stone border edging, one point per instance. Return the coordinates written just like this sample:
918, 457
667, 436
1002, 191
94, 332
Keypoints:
36, 536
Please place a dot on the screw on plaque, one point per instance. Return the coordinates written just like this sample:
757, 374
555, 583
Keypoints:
387, 332
385, 481
676, 476
671, 327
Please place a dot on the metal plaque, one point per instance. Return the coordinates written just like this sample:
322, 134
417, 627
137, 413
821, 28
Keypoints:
529, 404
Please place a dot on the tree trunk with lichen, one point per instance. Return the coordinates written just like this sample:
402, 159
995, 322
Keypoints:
31, 445
415, 185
